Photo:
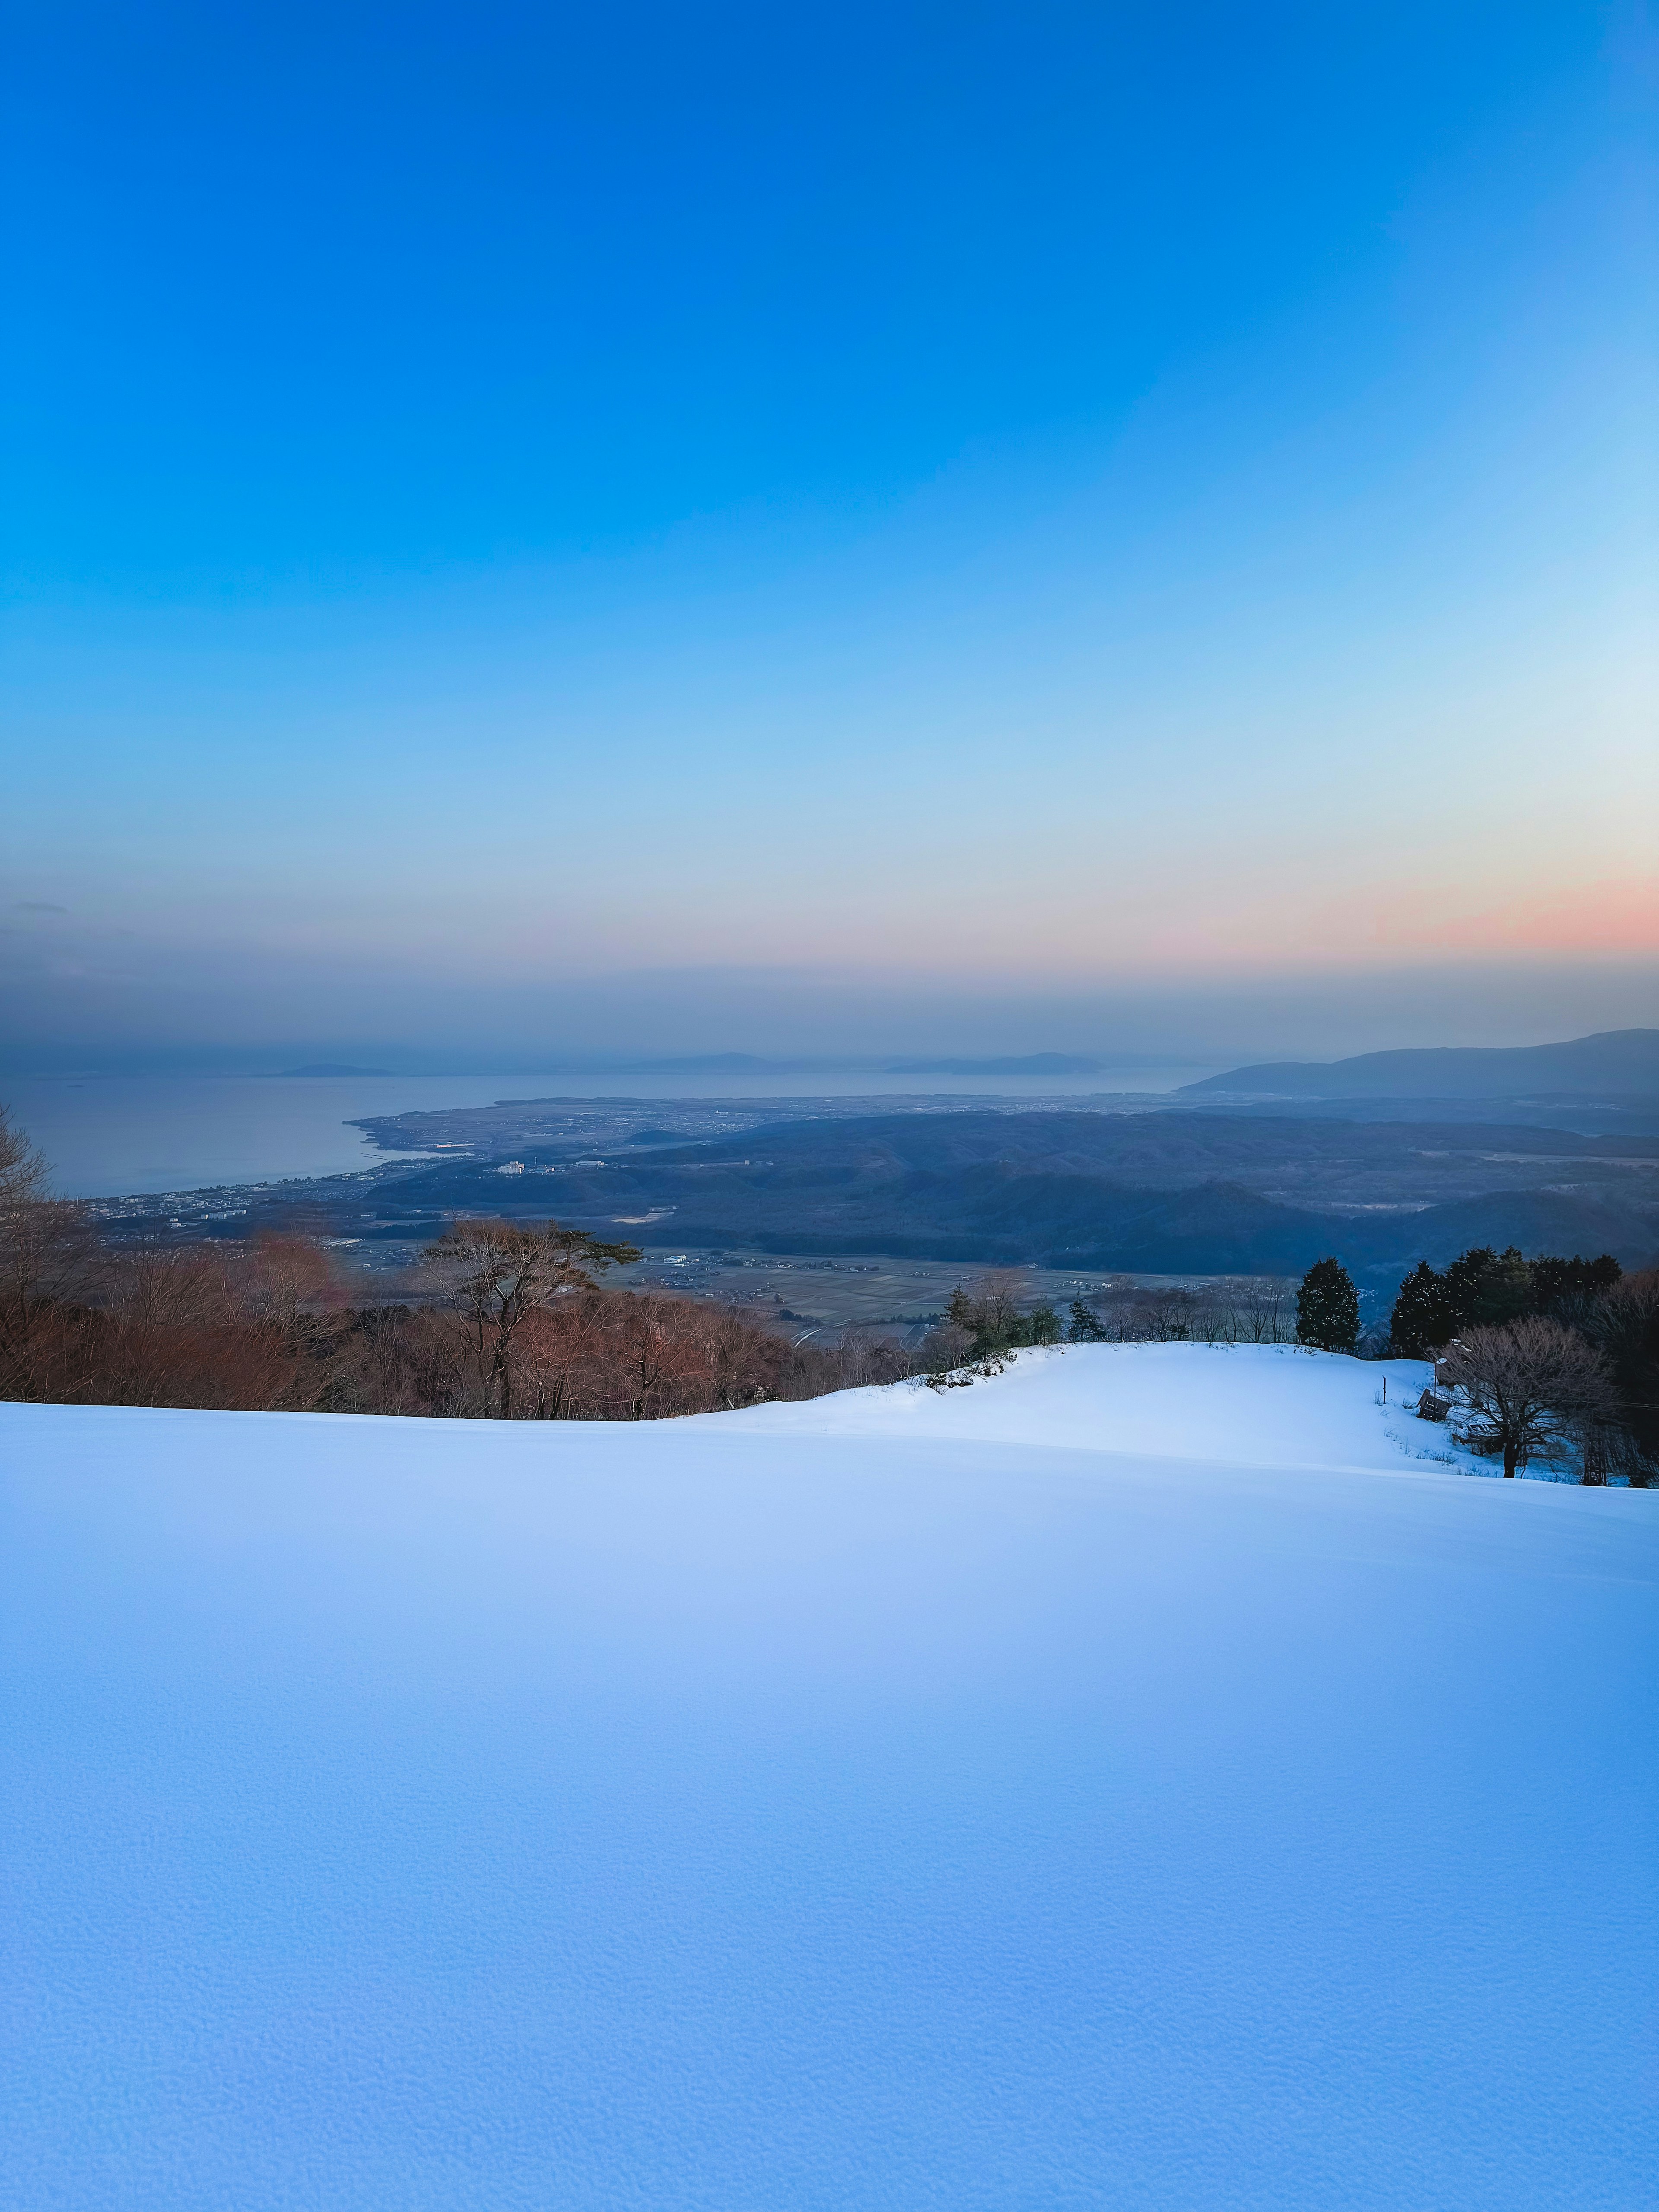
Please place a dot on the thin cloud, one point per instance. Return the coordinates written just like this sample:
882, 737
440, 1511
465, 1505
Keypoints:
37, 906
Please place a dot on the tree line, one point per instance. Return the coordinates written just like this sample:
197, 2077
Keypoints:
513, 1322
1546, 1356
988, 1319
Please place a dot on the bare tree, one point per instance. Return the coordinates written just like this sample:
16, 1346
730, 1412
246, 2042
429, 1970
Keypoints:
948, 1345
287, 1280
863, 1357
1597, 1441
170, 1330
23, 1170
651, 1349
1530, 1383
149, 1290
46, 1249
1165, 1314
495, 1273
994, 1302
1266, 1309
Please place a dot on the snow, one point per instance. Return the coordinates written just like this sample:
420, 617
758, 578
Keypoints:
1131, 1782
1251, 1405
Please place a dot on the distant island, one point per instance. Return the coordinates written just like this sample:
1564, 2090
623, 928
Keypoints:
332, 1067
1033, 1063
749, 1063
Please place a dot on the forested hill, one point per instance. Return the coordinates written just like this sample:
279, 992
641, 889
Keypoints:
1153, 1193
1613, 1064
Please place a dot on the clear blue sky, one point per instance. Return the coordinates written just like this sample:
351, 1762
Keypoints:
988, 528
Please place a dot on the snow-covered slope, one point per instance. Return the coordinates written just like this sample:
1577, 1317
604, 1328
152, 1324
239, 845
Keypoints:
1267, 1404
1134, 1781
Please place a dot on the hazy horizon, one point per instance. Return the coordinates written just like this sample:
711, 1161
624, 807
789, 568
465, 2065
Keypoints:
1061, 530
622, 1021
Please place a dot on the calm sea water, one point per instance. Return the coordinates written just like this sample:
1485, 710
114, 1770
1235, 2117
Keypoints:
107, 1136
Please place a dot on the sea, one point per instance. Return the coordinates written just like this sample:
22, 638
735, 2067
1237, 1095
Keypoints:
112, 1136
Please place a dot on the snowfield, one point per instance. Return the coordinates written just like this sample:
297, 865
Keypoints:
1132, 1781
1250, 1405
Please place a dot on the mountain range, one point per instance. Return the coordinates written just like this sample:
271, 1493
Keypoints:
1612, 1064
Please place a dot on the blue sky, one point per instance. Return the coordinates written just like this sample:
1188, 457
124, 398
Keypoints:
738, 529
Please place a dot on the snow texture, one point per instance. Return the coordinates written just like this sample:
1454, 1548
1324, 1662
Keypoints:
1131, 1782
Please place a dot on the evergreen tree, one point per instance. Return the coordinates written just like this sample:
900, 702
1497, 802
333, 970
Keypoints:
1488, 1288
1328, 1308
1087, 1327
1044, 1325
1507, 1293
1465, 1279
990, 1314
1561, 1286
1423, 1316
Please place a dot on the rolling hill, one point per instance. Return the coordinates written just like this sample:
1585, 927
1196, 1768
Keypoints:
1613, 1064
1137, 1780
1154, 1192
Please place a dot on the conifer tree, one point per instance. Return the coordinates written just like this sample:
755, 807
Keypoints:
1087, 1327
1487, 1288
1328, 1308
1559, 1286
1044, 1325
1507, 1293
1423, 1316
1465, 1279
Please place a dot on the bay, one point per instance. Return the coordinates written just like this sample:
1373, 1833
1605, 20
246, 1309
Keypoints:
109, 1136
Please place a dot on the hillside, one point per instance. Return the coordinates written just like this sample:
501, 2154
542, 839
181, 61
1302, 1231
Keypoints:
1134, 1781
1158, 1193
1615, 1063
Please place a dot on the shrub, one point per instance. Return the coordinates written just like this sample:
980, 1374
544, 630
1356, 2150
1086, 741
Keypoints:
522, 1333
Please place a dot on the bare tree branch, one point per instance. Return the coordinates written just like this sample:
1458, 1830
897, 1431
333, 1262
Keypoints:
1530, 1384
